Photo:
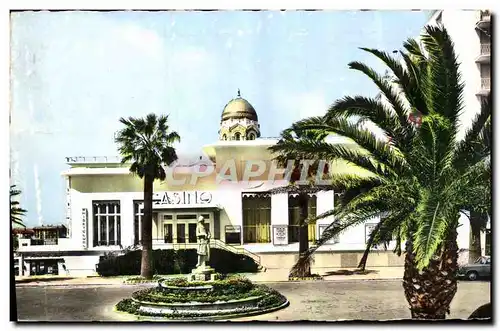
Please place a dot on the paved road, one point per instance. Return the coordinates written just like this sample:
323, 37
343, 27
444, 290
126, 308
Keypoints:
319, 301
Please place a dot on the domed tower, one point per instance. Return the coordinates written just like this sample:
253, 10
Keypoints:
239, 121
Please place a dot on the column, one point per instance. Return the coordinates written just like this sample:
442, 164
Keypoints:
463, 231
324, 203
20, 263
279, 219
127, 221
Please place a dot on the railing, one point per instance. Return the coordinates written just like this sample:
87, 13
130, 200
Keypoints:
485, 84
181, 162
174, 240
253, 234
294, 233
485, 49
236, 250
93, 159
213, 243
40, 242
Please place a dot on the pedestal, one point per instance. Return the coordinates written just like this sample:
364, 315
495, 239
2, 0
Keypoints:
202, 273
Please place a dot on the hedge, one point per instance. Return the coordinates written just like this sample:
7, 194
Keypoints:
168, 262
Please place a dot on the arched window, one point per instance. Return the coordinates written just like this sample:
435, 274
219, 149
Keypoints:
224, 137
251, 136
237, 136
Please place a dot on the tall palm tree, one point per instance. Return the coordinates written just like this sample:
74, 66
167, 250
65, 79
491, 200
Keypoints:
16, 212
147, 144
417, 173
299, 184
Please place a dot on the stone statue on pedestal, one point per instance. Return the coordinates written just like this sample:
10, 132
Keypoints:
203, 237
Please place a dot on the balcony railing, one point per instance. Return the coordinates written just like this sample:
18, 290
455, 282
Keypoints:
485, 49
40, 242
485, 84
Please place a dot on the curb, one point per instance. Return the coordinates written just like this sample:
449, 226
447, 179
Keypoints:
223, 318
48, 279
80, 285
41, 284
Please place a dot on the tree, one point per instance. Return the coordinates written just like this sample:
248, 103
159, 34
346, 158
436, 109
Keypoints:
16, 212
417, 174
479, 204
301, 183
147, 144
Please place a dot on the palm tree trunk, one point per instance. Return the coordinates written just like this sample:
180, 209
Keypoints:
430, 291
147, 229
303, 231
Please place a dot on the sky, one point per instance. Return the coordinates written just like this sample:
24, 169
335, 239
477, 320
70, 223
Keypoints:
74, 74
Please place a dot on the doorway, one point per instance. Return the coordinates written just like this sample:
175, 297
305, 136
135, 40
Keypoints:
180, 227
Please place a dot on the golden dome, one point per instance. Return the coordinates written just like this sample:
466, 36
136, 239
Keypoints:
239, 108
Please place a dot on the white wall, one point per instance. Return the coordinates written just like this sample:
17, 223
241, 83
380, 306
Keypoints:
463, 231
84, 200
324, 203
279, 209
77, 266
231, 201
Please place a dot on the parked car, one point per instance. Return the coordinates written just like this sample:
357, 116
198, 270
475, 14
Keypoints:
480, 268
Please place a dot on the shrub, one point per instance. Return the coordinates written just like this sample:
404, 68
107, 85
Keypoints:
168, 262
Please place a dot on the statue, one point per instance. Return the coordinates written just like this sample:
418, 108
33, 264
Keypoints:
203, 237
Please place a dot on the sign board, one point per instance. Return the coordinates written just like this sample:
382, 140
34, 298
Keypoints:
280, 235
84, 228
232, 234
182, 198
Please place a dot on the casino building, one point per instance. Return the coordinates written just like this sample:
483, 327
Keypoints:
104, 208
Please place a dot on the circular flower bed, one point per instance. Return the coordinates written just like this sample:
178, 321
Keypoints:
182, 300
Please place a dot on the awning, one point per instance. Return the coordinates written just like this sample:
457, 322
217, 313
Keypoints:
183, 206
256, 194
44, 258
294, 195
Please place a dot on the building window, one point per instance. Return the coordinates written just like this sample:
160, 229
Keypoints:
224, 137
138, 216
257, 219
106, 223
294, 218
251, 136
237, 136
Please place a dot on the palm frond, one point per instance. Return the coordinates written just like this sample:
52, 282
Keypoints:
388, 92
147, 143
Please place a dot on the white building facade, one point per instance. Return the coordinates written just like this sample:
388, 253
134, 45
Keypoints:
105, 201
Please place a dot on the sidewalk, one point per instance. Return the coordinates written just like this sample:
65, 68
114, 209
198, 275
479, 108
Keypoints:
269, 276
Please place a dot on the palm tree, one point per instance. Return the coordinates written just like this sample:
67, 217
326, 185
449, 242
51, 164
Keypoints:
147, 144
301, 186
16, 212
480, 203
417, 174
